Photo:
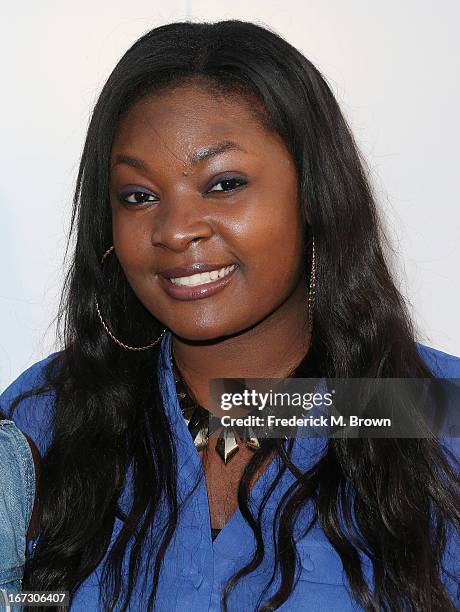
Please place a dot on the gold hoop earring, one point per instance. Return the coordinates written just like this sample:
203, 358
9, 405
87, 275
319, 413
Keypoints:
312, 288
104, 325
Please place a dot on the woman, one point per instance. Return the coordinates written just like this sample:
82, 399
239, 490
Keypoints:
218, 150
18, 507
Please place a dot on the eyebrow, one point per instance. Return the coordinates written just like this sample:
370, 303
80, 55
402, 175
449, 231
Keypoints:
195, 158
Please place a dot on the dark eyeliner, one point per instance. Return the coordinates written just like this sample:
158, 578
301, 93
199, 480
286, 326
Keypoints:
132, 191
224, 179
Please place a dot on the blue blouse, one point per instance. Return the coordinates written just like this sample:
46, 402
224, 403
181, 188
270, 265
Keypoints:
195, 567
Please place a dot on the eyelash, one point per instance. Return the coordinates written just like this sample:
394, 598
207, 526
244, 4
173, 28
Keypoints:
126, 194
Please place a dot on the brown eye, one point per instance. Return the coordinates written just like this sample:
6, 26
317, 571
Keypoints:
228, 184
136, 197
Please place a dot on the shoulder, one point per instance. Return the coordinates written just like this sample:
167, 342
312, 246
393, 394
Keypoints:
444, 365
33, 414
441, 364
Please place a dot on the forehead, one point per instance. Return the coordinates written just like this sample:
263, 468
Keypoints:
188, 117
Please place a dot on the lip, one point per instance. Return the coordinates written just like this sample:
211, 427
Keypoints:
182, 292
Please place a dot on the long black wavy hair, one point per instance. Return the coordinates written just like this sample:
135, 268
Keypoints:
109, 413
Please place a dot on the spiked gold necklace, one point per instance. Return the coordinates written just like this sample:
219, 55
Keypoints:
202, 424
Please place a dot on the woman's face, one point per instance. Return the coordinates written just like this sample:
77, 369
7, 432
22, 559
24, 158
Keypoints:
197, 184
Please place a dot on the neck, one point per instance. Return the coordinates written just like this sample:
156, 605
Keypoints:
271, 349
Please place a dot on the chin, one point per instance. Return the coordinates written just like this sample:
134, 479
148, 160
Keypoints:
206, 332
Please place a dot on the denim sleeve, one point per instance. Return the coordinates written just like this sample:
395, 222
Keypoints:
17, 492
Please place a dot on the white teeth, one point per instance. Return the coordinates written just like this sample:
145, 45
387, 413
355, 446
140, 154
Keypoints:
203, 278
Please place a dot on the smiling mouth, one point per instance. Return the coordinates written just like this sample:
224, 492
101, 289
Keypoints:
202, 278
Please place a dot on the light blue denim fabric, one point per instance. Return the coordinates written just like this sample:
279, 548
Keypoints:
17, 492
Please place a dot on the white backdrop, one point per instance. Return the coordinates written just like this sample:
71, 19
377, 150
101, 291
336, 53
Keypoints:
394, 67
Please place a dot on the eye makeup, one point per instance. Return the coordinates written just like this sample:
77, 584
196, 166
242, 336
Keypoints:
225, 180
137, 195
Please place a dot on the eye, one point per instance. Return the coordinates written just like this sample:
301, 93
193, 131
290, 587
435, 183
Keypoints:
138, 196
228, 184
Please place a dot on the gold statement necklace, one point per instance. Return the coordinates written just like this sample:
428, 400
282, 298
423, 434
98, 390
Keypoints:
202, 424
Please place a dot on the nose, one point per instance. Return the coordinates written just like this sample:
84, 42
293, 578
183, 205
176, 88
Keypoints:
180, 221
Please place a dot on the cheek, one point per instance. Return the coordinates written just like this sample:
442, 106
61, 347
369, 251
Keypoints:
280, 268
272, 247
131, 239
280, 227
